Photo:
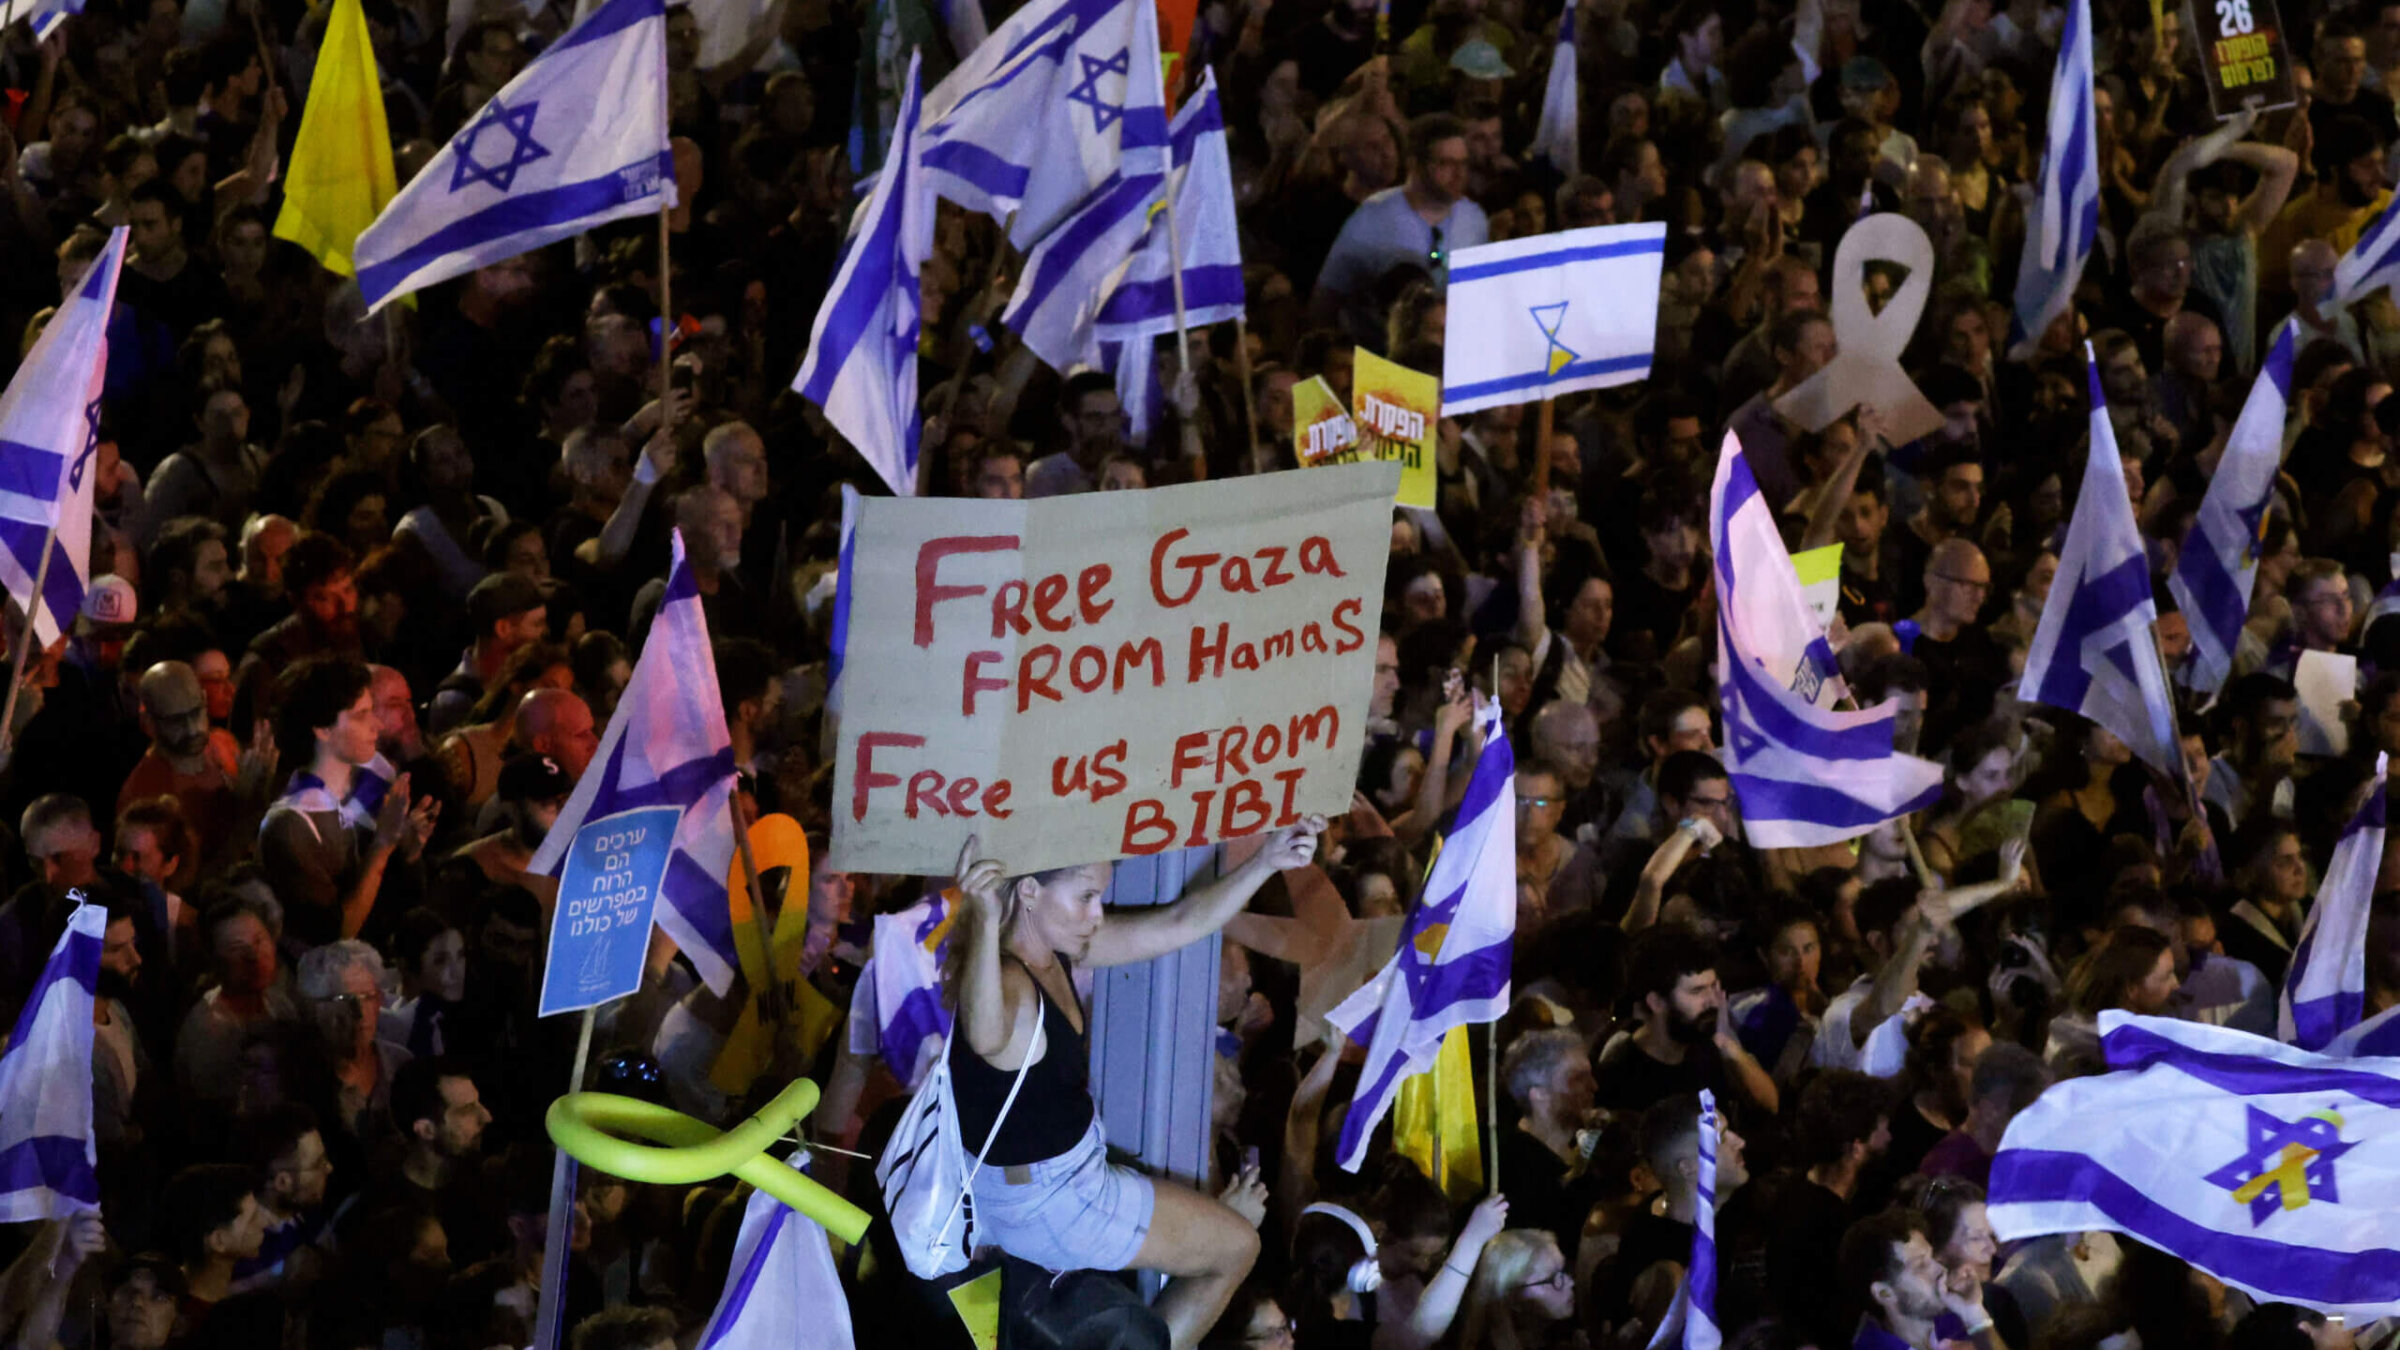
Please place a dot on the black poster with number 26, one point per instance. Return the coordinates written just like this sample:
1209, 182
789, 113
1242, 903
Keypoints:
2241, 46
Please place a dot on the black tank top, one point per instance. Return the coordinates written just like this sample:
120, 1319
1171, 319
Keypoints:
1052, 1110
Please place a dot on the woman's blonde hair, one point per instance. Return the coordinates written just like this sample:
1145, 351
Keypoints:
962, 931
1499, 1274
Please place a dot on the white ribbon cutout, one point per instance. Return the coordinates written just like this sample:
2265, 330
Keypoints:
1867, 370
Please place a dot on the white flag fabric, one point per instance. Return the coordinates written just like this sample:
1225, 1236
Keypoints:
1534, 318
2373, 262
666, 745
1453, 963
1804, 775
2325, 988
861, 366
782, 1292
1558, 137
578, 139
2093, 651
2064, 220
1062, 96
49, 435
910, 1019
1105, 275
2218, 565
47, 1156
2258, 1162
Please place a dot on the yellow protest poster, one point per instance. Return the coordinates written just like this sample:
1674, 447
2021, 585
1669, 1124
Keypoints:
1322, 432
1398, 412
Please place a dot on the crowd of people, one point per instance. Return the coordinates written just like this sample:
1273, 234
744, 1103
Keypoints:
365, 591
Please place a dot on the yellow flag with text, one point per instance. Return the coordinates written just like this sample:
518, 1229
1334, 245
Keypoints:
340, 176
1399, 413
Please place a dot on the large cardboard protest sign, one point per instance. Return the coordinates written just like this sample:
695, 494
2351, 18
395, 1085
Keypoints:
1108, 675
2244, 55
600, 930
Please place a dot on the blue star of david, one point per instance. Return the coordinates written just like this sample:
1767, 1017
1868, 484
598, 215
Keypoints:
1088, 92
523, 148
91, 444
1551, 318
2290, 1163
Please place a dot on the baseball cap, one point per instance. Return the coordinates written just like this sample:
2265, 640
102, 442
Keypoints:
1478, 59
499, 596
533, 778
110, 602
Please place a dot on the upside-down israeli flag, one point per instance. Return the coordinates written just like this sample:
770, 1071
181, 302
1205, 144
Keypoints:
1452, 966
1557, 138
1534, 318
2218, 565
2065, 217
1692, 1321
578, 139
861, 366
2325, 989
1804, 774
1062, 96
47, 1157
2262, 1164
49, 434
2093, 652
666, 745
782, 1292
906, 969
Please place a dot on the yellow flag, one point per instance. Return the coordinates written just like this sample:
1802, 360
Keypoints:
1437, 1107
341, 170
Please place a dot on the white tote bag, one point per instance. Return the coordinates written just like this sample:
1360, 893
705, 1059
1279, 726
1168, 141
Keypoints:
928, 1189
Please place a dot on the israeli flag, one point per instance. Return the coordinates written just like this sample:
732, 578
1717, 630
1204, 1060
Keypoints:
666, 745
1058, 99
1691, 1322
1452, 966
2093, 652
47, 1158
861, 366
2385, 604
2325, 990
2260, 1163
2218, 565
1557, 137
1805, 774
845, 564
2065, 216
1106, 275
2371, 263
782, 1292
1536, 318
578, 139
2378, 1037
906, 969
49, 435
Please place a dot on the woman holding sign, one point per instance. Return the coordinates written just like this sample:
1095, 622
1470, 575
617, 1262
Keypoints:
1057, 1201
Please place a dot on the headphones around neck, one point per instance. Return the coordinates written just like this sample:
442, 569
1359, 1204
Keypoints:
1366, 1274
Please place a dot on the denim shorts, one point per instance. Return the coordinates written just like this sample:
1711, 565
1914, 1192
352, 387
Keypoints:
1076, 1211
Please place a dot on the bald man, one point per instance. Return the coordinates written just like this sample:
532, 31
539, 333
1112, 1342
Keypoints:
397, 734
2195, 359
2312, 292
1566, 737
711, 521
1964, 668
182, 762
557, 723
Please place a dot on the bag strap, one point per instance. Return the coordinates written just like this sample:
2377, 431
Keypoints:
1032, 1053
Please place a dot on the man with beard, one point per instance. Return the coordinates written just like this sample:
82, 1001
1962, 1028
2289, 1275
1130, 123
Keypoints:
318, 576
64, 848
398, 737
1091, 424
2350, 194
441, 1117
328, 840
1964, 666
1887, 1267
1549, 1076
1684, 1043
178, 763
119, 1060
1843, 1125
293, 1175
1952, 472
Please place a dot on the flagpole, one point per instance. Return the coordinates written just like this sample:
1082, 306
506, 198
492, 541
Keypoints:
16, 683
1183, 329
1241, 370
1541, 462
555, 1241
1491, 1104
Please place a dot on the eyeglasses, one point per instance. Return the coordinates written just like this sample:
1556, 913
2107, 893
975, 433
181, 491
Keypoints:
1535, 803
1561, 1278
1962, 582
1284, 1332
1708, 803
1437, 251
